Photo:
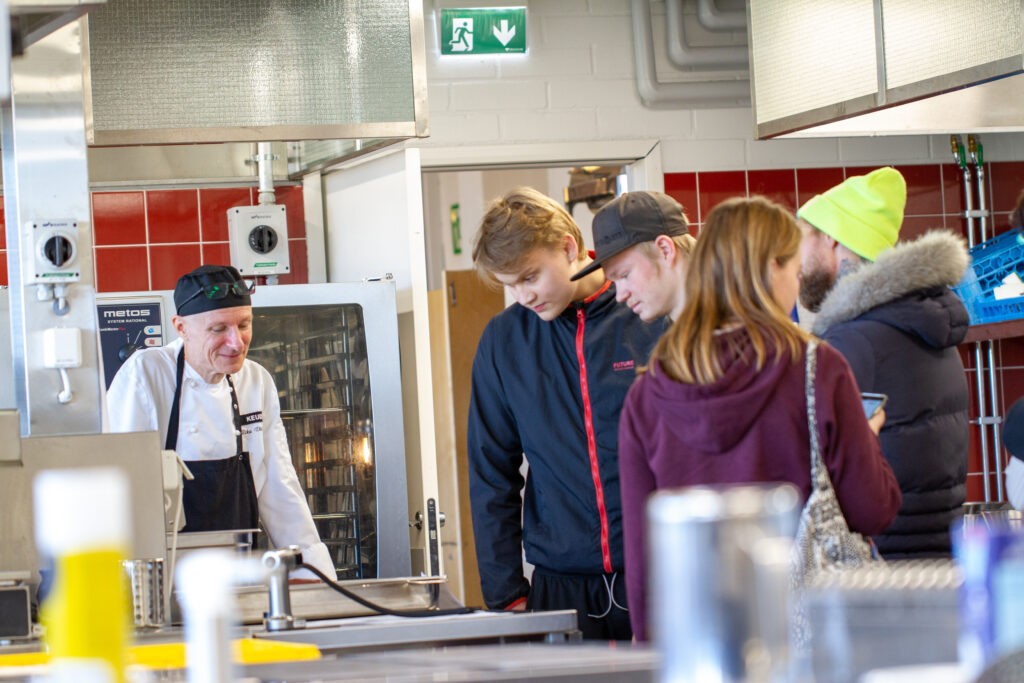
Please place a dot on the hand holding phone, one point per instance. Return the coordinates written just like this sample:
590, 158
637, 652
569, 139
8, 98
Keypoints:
872, 403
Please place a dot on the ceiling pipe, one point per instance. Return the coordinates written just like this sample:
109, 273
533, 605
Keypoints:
694, 94
713, 19
685, 56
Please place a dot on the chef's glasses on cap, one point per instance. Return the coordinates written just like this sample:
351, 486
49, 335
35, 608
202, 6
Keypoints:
220, 290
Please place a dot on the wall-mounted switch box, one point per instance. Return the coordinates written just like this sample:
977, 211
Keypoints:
52, 251
258, 238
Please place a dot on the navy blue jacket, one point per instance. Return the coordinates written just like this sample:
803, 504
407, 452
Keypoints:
551, 391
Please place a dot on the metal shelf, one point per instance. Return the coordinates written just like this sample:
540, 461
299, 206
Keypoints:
352, 514
336, 488
302, 412
1007, 329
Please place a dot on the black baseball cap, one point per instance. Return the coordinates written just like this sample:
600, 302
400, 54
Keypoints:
633, 218
208, 288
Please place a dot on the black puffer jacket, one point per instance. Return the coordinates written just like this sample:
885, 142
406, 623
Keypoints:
897, 323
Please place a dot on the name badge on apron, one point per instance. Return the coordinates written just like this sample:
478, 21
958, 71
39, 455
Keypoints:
222, 495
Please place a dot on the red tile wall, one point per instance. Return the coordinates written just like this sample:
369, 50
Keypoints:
935, 199
145, 239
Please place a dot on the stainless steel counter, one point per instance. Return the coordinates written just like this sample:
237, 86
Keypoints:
561, 663
588, 663
363, 633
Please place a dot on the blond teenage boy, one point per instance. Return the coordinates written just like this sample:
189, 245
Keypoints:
549, 378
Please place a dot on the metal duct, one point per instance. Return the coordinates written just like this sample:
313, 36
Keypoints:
694, 94
685, 56
714, 19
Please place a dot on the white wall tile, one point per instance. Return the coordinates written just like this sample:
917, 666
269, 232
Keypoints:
572, 94
864, 150
627, 122
582, 31
702, 155
608, 7
540, 126
724, 123
792, 153
458, 67
438, 96
448, 130
614, 60
504, 94
546, 62
999, 146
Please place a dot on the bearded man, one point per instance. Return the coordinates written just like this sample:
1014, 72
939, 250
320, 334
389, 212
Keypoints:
888, 308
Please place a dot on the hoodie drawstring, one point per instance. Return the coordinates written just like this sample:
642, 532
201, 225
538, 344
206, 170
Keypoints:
612, 602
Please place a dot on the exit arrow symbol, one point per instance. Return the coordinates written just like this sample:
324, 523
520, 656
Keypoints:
506, 33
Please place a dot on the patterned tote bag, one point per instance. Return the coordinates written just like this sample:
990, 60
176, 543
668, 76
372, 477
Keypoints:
823, 539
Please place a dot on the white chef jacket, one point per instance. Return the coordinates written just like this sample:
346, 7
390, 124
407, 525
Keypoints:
140, 397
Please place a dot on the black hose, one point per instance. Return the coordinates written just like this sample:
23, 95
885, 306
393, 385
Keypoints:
380, 608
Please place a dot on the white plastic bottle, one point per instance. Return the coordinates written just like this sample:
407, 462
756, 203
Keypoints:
82, 523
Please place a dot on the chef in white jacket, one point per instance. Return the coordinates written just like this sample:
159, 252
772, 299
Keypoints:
222, 415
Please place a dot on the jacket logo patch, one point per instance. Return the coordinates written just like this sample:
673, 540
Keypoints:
620, 365
252, 418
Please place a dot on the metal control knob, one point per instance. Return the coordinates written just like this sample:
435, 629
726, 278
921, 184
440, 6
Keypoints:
58, 250
263, 239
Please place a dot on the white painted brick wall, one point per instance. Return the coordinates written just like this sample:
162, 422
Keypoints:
577, 83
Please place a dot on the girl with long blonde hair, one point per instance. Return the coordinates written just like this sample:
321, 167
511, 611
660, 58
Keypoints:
723, 399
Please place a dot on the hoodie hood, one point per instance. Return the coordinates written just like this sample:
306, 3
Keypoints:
906, 288
713, 418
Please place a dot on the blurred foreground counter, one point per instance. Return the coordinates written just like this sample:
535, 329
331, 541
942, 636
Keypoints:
598, 663
518, 662
899, 613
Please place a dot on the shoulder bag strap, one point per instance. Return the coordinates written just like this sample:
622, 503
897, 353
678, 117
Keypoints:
812, 419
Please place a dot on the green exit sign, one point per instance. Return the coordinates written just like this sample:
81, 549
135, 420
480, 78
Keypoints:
483, 31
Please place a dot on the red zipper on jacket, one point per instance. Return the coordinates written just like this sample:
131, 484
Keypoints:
588, 419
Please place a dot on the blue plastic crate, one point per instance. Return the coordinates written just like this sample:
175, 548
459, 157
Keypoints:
996, 310
991, 262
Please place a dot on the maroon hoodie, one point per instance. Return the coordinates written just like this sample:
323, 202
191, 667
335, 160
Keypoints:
749, 426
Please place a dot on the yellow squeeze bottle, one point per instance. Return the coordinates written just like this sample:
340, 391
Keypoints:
82, 523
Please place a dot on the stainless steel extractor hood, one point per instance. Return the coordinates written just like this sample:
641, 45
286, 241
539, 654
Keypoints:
201, 71
879, 67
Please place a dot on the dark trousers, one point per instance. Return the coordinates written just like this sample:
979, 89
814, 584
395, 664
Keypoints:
599, 601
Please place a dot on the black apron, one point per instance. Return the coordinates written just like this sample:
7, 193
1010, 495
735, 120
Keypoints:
223, 494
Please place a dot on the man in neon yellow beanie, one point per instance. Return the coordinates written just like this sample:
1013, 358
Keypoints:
888, 308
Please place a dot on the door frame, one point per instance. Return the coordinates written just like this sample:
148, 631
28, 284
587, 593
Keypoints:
641, 157
642, 161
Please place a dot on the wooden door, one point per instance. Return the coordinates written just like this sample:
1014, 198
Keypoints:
471, 303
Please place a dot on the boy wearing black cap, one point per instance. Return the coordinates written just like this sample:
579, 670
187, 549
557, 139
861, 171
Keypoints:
549, 378
641, 240
221, 413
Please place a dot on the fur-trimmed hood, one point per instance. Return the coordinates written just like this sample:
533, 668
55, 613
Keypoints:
929, 265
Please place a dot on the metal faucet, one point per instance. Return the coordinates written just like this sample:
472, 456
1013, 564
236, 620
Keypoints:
280, 563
